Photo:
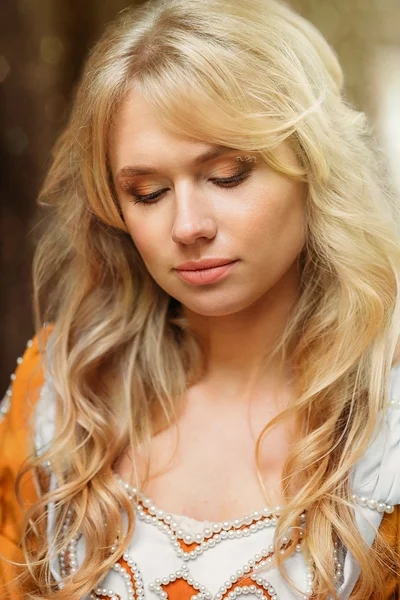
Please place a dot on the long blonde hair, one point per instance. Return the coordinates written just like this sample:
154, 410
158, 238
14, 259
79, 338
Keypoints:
254, 74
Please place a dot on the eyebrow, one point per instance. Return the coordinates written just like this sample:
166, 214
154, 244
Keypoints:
214, 152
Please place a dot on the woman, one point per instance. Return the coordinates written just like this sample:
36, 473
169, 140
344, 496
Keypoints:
208, 408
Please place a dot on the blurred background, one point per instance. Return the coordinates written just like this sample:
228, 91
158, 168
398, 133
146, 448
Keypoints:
42, 46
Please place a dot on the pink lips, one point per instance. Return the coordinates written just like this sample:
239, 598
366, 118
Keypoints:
205, 275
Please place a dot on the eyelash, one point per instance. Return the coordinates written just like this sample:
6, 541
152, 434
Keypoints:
148, 199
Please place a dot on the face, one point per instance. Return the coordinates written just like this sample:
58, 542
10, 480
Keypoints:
183, 200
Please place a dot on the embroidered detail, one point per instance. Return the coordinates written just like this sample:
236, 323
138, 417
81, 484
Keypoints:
5, 403
243, 582
373, 504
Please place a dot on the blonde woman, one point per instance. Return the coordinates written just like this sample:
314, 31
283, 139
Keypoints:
210, 405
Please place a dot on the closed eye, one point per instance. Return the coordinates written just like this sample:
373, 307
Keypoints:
224, 182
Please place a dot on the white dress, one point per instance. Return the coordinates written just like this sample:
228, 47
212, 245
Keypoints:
179, 558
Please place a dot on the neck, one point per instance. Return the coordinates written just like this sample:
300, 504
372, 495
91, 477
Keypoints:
239, 346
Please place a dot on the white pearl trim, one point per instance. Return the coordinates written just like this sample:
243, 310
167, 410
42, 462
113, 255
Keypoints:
214, 534
373, 504
132, 579
5, 403
101, 592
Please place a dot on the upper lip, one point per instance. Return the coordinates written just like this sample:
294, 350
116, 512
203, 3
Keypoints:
206, 263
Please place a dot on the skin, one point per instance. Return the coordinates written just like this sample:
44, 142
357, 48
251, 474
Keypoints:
261, 223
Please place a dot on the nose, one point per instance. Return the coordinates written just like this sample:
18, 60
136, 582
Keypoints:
194, 216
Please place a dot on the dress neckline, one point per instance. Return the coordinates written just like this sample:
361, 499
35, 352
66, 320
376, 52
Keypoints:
145, 504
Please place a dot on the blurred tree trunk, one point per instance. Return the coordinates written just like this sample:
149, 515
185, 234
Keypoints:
44, 43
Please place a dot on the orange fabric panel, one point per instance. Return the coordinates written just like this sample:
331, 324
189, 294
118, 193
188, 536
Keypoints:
16, 444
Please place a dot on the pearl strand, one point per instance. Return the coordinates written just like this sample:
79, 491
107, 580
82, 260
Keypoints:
338, 564
373, 504
69, 555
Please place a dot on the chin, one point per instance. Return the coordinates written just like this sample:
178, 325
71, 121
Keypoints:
220, 307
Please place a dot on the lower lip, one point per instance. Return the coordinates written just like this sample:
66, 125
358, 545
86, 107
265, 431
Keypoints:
204, 276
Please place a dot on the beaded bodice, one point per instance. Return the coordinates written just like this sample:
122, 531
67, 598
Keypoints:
179, 558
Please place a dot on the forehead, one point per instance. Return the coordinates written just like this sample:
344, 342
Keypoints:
138, 134
140, 139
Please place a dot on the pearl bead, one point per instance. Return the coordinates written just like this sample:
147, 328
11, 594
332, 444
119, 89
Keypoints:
285, 540
5, 403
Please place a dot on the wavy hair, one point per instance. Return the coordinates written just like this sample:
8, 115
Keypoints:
254, 74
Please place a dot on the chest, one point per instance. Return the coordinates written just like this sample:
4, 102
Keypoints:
206, 467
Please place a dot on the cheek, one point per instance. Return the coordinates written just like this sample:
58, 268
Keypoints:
144, 235
276, 215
